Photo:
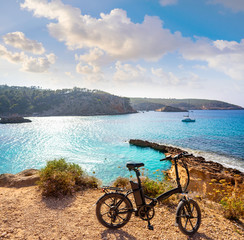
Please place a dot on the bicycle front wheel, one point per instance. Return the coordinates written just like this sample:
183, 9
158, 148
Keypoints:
114, 210
188, 217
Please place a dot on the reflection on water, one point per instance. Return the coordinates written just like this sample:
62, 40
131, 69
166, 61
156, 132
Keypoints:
100, 143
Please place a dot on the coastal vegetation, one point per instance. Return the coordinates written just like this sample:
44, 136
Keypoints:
231, 198
34, 101
62, 178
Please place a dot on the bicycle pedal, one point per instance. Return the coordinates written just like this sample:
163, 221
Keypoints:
150, 227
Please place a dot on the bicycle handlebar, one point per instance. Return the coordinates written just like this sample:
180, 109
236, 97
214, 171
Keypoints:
178, 156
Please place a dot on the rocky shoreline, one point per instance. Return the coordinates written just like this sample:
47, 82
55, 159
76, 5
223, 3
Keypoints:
14, 119
202, 172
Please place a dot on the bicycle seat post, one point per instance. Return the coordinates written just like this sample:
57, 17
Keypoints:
138, 176
177, 172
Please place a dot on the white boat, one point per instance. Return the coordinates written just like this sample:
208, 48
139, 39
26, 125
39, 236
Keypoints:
187, 118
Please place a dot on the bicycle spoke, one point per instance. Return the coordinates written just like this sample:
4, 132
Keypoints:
105, 213
191, 223
107, 204
123, 210
121, 218
186, 222
185, 211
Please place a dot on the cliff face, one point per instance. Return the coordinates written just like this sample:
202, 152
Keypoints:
202, 172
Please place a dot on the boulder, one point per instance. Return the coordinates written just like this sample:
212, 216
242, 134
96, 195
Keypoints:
25, 178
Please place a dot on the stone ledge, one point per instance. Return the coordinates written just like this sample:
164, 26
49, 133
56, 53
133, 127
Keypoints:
25, 178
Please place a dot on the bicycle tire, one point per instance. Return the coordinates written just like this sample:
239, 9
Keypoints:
188, 217
110, 215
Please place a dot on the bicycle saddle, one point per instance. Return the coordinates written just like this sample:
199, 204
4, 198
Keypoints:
132, 165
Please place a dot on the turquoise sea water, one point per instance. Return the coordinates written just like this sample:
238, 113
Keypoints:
100, 143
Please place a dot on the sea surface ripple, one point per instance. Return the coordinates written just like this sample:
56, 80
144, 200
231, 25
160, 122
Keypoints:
100, 143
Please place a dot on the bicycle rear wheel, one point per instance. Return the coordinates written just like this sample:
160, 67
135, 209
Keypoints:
114, 210
188, 217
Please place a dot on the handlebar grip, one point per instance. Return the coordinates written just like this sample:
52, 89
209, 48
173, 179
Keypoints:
166, 159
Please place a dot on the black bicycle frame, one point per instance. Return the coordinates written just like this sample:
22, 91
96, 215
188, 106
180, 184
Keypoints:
175, 190
138, 192
139, 196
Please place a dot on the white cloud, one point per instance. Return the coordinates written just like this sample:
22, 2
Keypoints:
169, 79
168, 2
11, 57
29, 64
164, 77
38, 65
69, 74
223, 56
92, 61
87, 69
113, 33
130, 73
18, 40
114, 37
234, 5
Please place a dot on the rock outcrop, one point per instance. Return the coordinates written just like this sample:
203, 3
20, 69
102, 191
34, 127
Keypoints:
14, 119
25, 178
202, 172
170, 109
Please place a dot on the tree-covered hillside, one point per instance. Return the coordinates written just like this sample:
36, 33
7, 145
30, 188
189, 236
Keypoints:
151, 104
66, 102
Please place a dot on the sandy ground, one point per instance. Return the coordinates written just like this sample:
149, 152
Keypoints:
24, 214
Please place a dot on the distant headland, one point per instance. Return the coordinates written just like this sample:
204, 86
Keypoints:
34, 101
151, 104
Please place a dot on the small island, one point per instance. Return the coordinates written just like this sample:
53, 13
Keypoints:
170, 109
14, 119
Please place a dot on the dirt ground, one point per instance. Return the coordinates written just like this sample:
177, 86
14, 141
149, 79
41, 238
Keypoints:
24, 214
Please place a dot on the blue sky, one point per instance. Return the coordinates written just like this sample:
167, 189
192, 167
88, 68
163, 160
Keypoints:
134, 48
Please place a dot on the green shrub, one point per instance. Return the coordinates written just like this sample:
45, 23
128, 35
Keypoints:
230, 196
62, 178
232, 200
233, 207
153, 188
121, 182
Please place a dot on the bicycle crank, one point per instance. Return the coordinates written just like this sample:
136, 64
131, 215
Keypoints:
146, 212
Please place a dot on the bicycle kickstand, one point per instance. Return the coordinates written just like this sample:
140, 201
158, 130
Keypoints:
149, 226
